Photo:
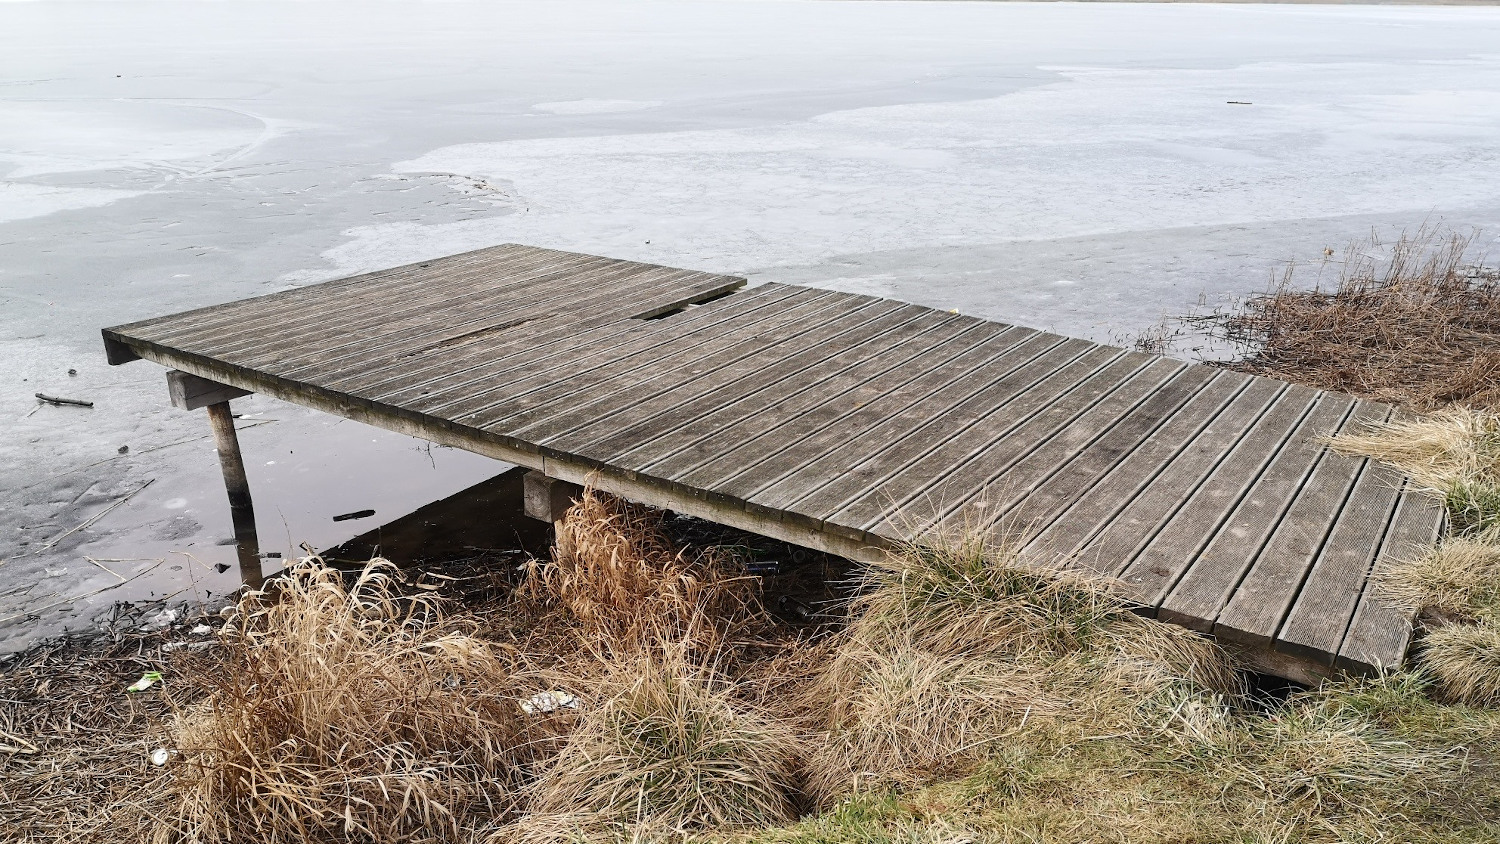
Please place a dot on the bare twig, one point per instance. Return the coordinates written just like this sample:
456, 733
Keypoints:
57, 400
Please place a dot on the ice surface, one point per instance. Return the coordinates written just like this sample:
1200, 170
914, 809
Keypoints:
1073, 166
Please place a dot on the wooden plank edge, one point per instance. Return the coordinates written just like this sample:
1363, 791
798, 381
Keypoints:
1264, 660
390, 418
657, 495
732, 285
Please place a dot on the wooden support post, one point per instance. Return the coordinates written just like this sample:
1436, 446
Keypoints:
547, 498
237, 484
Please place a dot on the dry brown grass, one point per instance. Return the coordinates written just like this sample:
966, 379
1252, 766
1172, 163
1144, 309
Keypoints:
350, 714
1419, 326
953, 650
626, 588
1454, 455
1457, 581
1464, 661
670, 749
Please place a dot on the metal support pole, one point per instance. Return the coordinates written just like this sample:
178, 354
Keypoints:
241, 510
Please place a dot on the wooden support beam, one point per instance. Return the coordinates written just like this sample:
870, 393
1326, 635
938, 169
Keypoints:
237, 484
547, 498
191, 392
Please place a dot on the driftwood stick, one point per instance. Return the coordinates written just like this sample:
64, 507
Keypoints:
56, 400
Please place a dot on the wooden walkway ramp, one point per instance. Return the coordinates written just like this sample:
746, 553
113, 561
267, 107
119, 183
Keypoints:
845, 422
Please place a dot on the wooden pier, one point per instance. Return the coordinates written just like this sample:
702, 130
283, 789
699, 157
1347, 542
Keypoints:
847, 423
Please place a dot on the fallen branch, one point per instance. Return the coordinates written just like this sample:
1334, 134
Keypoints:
56, 400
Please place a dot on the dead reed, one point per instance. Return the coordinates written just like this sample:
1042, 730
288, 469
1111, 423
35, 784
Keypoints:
672, 749
351, 713
1415, 324
626, 588
952, 650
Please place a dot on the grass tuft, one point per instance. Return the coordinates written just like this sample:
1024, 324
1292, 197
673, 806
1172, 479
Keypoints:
954, 649
1464, 660
615, 574
1459, 580
670, 749
346, 713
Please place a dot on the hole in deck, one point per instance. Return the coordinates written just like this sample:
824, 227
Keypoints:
683, 307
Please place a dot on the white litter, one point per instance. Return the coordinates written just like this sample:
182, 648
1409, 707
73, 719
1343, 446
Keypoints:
160, 621
549, 702
159, 756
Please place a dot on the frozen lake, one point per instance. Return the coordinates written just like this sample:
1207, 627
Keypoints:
1085, 168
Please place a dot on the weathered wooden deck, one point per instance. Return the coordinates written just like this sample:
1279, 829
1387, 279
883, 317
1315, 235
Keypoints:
845, 422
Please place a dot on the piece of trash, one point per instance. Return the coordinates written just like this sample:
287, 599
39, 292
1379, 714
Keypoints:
73, 372
58, 400
794, 608
149, 679
169, 647
123, 449
548, 702
55, 572
764, 567
1238, 102
201, 630
273, 555
159, 756
160, 621
357, 514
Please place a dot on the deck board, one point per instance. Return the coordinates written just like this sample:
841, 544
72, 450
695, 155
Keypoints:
849, 423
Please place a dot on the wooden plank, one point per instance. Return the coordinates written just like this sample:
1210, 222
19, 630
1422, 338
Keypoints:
878, 414
991, 447
746, 418
443, 309
1325, 604
535, 382
637, 401
479, 344
501, 315
1380, 632
1180, 453
1062, 477
187, 326
1254, 609
301, 312
1156, 537
904, 392
557, 407
1196, 598
1011, 485
482, 371
757, 380
744, 434
1043, 366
